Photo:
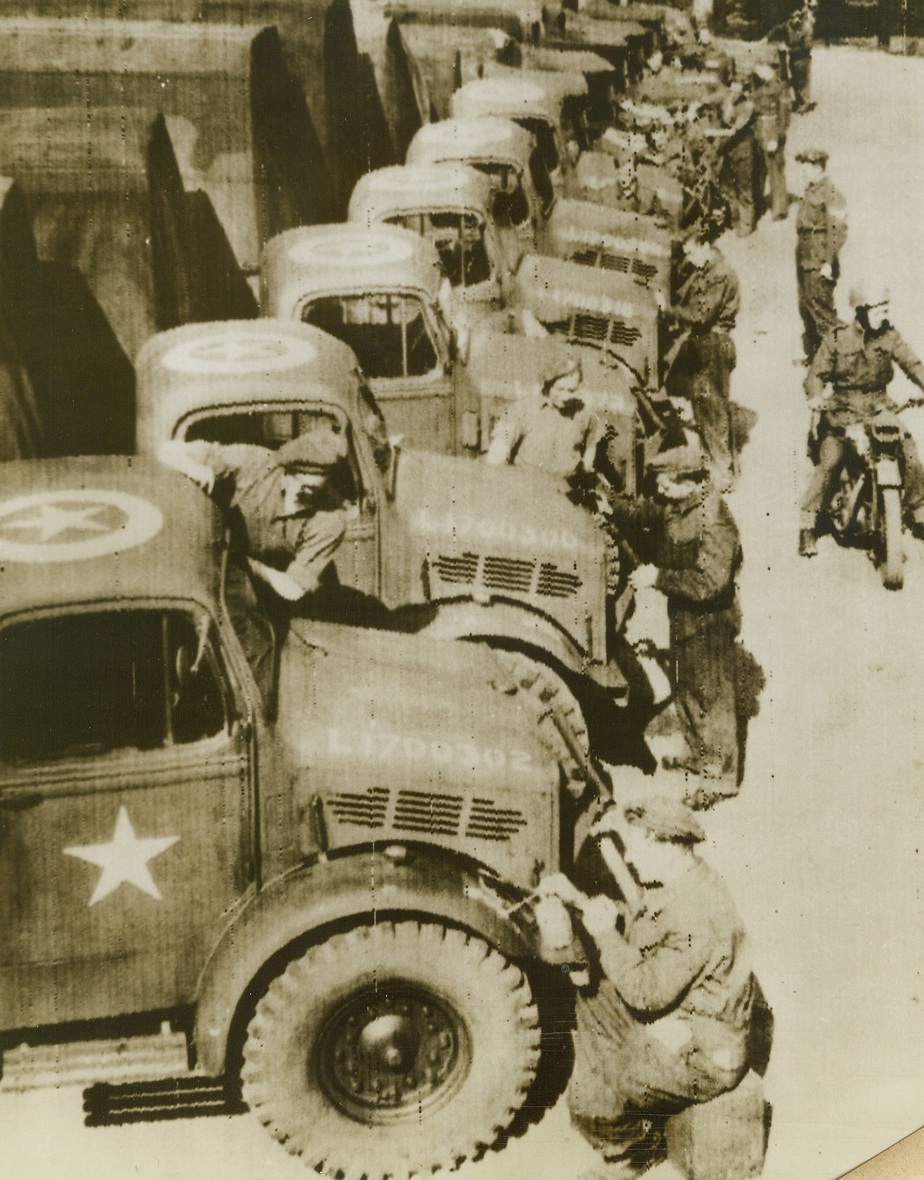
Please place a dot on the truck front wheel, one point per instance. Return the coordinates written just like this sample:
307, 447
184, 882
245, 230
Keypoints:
391, 1049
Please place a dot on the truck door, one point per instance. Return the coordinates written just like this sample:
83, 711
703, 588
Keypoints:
398, 349
126, 811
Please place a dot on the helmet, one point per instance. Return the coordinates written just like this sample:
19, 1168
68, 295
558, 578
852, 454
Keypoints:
868, 294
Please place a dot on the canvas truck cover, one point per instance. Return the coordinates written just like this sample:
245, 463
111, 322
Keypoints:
519, 19
332, 259
95, 182
204, 367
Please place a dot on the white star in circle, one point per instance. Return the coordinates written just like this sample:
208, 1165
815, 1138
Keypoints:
124, 860
51, 520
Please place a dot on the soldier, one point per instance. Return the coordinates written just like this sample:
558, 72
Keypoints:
821, 230
799, 33
707, 307
771, 100
739, 150
293, 517
554, 432
858, 361
688, 537
664, 1020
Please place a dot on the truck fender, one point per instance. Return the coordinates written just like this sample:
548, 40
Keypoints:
349, 889
511, 626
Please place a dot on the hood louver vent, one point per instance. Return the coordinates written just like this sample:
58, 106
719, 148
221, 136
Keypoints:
508, 575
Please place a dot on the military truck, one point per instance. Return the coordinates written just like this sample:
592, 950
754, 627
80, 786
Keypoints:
524, 199
496, 554
450, 205
288, 851
381, 290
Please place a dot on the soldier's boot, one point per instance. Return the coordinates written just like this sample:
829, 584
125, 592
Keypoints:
808, 546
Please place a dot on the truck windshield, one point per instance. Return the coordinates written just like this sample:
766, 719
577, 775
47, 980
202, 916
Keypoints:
388, 332
459, 238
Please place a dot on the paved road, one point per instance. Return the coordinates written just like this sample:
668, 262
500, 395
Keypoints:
823, 847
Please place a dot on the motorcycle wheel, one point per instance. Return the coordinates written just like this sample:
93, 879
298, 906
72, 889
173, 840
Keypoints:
891, 568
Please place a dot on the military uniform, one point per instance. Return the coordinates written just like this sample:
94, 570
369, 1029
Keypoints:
799, 33
300, 542
737, 173
771, 101
707, 305
666, 1023
821, 230
535, 433
696, 547
858, 365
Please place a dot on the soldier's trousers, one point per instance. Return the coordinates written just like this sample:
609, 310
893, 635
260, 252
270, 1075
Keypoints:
816, 307
626, 1083
800, 76
820, 485
704, 366
705, 692
737, 180
775, 167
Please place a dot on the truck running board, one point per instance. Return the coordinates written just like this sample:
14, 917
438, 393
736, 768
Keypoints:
78, 1063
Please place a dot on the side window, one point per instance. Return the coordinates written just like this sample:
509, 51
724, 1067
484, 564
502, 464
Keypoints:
272, 428
90, 684
388, 333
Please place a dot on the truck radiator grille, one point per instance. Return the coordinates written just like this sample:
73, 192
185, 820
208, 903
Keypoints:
507, 575
503, 573
488, 822
428, 813
556, 583
423, 811
366, 810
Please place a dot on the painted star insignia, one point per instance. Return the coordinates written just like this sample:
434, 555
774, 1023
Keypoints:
124, 860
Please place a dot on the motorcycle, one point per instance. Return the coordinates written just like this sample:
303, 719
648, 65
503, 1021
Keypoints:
865, 505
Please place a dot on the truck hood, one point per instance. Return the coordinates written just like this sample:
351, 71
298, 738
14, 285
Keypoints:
520, 511
360, 705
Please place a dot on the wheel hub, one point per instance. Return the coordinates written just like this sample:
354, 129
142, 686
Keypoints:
384, 1053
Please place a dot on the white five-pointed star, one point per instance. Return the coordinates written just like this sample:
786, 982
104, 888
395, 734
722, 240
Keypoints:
50, 520
124, 859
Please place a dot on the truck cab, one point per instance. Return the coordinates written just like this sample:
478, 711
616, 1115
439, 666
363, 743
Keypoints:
449, 205
380, 290
251, 838
575, 230
491, 553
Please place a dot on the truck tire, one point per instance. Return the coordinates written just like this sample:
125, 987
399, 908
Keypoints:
549, 692
391, 1049
891, 568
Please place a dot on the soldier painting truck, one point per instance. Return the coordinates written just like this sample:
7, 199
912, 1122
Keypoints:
494, 554
195, 809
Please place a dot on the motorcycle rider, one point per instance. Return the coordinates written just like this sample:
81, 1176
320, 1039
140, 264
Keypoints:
857, 361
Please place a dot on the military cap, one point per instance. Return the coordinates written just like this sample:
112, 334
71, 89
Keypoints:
315, 452
688, 460
813, 156
665, 819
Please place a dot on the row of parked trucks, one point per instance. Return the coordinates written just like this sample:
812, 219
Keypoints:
301, 853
